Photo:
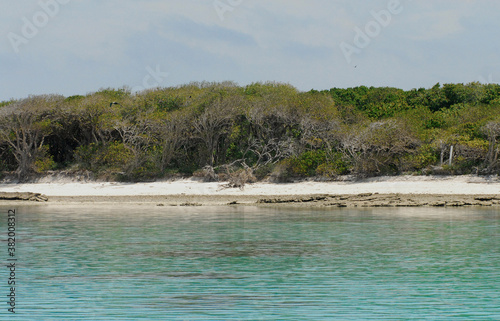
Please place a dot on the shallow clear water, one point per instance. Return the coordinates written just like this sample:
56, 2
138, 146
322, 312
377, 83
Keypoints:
245, 263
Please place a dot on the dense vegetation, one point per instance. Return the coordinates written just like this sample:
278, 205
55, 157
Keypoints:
263, 129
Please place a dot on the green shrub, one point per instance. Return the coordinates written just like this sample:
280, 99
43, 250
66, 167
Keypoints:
426, 155
330, 169
146, 172
307, 163
44, 161
97, 157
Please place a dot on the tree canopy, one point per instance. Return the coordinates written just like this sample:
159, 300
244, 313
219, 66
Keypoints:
271, 129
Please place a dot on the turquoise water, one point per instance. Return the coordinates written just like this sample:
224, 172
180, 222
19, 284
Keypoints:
245, 263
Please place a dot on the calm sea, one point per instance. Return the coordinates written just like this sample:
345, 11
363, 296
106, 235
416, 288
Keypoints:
246, 263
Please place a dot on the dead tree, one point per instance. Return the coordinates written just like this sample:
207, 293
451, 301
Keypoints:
24, 126
492, 131
213, 124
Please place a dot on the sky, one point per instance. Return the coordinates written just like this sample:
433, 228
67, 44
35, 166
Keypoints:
75, 47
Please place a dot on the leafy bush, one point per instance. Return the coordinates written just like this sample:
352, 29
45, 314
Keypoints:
6, 103
97, 157
44, 161
146, 172
331, 169
425, 156
306, 164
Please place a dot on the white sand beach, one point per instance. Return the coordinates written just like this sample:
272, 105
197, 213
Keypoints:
437, 185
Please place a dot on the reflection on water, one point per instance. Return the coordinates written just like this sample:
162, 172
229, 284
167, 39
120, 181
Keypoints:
244, 263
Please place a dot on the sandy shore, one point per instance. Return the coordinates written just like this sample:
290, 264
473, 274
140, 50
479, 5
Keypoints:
380, 191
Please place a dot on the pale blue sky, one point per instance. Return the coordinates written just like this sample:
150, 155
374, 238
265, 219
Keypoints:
78, 46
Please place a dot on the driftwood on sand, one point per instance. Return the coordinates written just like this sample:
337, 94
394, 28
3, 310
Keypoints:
23, 196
